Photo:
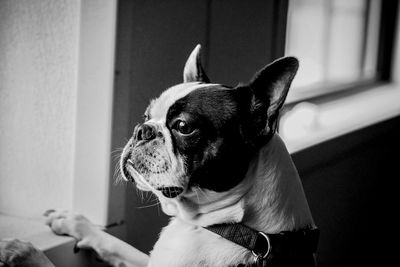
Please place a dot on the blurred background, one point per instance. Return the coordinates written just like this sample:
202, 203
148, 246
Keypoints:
76, 76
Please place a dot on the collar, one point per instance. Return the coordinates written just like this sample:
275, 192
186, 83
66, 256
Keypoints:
265, 246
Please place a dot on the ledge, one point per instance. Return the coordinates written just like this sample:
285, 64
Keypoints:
59, 249
345, 115
32, 230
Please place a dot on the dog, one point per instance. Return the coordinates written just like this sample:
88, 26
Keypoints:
212, 156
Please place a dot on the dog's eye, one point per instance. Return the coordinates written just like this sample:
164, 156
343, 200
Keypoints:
183, 127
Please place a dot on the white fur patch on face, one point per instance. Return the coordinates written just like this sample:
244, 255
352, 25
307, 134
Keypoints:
159, 107
154, 165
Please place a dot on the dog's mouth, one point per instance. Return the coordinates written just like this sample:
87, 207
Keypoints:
167, 191
124, 169
129, 172
171, 191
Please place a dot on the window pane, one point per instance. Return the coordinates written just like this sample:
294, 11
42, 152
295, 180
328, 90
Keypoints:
336, 41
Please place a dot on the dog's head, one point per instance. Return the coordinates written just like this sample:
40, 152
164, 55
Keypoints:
199, 134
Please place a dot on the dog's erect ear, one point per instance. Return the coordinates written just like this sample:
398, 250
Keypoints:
193, 71
269, 88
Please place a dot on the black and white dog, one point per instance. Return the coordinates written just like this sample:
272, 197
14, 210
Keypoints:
212, 156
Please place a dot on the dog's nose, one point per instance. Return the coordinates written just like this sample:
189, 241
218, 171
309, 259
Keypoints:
145, 132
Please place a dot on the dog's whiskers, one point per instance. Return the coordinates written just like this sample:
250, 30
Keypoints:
141, 195
148, 206
116, 157
117, 176
149, 197
117, 151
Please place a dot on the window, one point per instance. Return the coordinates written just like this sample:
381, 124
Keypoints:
55, 124
338, 43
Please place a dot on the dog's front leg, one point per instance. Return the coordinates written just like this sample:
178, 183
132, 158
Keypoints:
89, 236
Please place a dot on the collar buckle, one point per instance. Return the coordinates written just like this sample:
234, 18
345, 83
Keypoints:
262, 246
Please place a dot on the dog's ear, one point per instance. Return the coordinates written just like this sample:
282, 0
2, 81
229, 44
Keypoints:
193, 71
268, 90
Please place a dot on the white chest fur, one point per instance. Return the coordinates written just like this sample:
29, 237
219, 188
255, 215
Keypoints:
182, 244
269, 199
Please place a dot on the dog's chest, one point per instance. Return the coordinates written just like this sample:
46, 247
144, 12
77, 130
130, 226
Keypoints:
181, 244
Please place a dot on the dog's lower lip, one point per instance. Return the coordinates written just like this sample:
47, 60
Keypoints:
142, 186
171, 191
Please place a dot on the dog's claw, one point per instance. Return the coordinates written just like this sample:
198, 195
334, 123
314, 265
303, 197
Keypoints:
47, 212
76, 248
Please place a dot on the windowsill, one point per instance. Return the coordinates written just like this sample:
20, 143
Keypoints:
33, 230
306, 93
59, 249
348, 114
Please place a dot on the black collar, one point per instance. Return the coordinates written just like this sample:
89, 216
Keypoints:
266, 246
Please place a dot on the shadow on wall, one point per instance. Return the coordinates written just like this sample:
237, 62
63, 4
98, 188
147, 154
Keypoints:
350, 183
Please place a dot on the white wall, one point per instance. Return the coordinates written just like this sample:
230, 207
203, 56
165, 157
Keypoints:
38, 89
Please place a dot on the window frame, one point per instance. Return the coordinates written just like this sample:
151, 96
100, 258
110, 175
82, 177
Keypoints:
95, 107
386, 39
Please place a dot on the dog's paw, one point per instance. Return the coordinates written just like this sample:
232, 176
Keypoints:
72, 224
14, 252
